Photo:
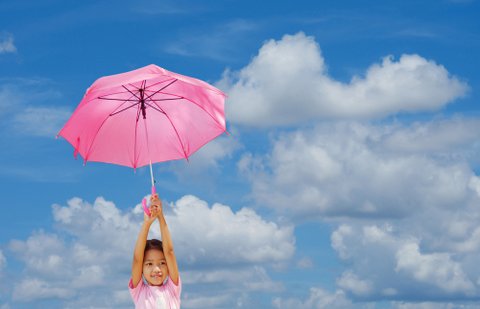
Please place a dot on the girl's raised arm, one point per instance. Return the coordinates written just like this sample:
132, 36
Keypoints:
167, 242
137, 264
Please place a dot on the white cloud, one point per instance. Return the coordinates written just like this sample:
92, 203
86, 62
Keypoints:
436, 268
387, 262
6, 43
219, 235
93, 245
287, 83
352, 169
387, 196
42, 253
441, 136
350, 282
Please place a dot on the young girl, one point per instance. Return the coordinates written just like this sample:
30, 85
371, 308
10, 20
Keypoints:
155, 260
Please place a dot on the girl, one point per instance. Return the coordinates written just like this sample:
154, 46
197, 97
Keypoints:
155, 260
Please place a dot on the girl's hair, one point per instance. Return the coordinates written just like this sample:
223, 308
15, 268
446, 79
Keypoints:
153, 244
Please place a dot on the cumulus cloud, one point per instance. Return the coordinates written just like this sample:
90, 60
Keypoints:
287, 83
219, 235
437, 268
350, 282
389, 262
6, 43
442, 136
407, 212
353, 169
93, 246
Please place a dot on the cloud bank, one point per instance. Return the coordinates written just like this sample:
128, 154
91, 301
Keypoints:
287, 83
404, 197
88, 260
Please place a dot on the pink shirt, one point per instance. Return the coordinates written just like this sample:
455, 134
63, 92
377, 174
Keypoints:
166, 296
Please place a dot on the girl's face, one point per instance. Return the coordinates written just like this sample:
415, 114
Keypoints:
155, 269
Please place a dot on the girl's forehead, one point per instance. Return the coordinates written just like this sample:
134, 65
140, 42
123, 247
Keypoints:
153, 254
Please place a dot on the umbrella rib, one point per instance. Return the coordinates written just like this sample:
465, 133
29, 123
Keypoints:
113, 99
163, 81
94, 138
130, 91
124, 109
167, 99
104, 96
98, 130
161, 89
124, 101
201, 107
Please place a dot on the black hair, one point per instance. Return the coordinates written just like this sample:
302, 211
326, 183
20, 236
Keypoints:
154, 244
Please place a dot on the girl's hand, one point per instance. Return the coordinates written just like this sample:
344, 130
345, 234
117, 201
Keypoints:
153, 215
156, 205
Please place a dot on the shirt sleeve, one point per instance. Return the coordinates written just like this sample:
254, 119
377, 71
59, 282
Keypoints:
135, 291
176, 289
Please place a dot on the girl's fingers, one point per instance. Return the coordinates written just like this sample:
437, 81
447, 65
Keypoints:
153, 212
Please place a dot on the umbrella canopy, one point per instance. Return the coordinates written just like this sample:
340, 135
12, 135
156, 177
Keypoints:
145, 116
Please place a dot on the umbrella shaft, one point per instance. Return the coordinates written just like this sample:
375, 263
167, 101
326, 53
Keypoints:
148, 150
142, 102
151, 174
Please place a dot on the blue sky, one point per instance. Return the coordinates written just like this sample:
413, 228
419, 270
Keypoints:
350, 178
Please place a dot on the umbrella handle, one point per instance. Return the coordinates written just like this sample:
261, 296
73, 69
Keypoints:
145, 209
144, 202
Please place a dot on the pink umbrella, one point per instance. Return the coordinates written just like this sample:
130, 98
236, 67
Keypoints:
145, 116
